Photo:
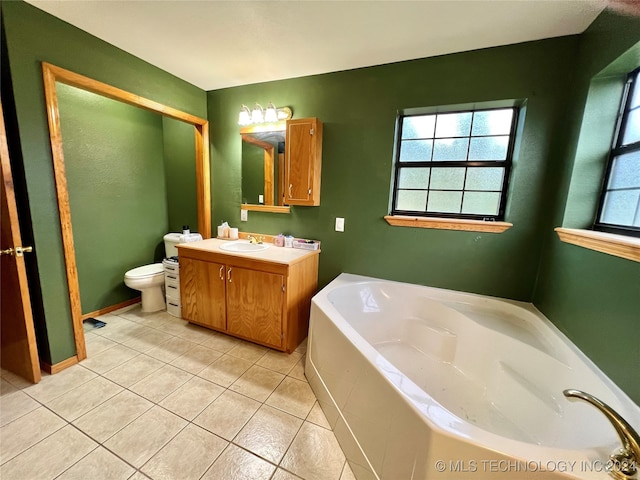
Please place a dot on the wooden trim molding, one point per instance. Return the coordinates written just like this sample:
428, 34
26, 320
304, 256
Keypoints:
609, 243
280, 126
112, 308
53, 74
447, 224
58, 367
266, 208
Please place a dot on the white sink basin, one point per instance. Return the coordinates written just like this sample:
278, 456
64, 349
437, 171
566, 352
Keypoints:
243, 246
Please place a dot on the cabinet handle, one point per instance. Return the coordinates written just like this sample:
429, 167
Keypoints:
221, 273
290, 187
229, 275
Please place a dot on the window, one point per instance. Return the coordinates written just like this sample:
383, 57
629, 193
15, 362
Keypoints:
454, 164
619, 210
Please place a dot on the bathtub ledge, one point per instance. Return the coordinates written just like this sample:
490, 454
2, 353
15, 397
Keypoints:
447, 223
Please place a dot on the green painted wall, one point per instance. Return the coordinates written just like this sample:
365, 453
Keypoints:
359, 110
594, 298
180, 174
116, 182
33, 36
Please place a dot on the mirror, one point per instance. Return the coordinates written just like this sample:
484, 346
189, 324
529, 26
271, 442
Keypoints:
263, 167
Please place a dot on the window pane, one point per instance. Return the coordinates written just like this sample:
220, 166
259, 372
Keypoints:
450, 149
632, 128
453, 140
489, 148
493, 122
453, 125
418, 127
635, 99
484, 178
447, 179
444, 202
481, 203
415, 150
411, 200
625, 171
620, 207
414, 178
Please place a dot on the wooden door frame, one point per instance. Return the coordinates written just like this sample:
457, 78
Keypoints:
53, 74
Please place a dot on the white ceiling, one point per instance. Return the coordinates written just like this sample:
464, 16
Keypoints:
215, 44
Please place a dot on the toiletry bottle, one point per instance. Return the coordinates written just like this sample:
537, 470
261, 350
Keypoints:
221, 229
279, 240
288, 241
185, 230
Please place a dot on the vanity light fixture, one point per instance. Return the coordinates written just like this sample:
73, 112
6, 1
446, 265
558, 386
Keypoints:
245, 116
259, 115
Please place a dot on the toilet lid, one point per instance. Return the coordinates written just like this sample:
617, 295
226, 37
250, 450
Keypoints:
146, 270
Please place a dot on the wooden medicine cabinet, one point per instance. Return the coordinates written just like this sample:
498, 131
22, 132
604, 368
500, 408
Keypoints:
288, 178
303, 159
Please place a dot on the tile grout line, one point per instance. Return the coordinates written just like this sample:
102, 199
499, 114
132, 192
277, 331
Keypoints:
189, 422
153, 403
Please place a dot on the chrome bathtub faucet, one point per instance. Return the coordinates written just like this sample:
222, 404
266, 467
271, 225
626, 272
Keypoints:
625, 459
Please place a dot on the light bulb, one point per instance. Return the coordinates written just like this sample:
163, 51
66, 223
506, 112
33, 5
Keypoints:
257, 115
271, 113
245, 117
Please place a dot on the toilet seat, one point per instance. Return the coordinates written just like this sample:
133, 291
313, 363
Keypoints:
146, 271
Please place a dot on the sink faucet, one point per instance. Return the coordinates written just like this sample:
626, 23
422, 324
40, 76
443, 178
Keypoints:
254, 240
624, 460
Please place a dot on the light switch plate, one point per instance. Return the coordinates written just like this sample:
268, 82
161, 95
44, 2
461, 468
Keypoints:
339, 224
244, 215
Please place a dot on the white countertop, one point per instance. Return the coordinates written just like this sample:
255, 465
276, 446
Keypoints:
273, 254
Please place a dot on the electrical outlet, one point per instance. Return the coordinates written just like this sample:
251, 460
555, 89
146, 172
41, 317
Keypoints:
339, 224
244, 215
260, 199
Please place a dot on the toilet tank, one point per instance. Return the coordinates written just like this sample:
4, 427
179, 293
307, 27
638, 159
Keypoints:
170, 242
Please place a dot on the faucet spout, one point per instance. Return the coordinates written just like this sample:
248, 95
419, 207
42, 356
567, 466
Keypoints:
254, 240
625, 460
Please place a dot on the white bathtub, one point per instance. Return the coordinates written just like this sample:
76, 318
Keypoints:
425, 383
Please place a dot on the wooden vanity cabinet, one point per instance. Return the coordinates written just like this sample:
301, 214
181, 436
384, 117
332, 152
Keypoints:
255, 305
303, 158
260, 301
202, 293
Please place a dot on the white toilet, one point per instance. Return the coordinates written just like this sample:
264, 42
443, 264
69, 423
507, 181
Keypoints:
149, 279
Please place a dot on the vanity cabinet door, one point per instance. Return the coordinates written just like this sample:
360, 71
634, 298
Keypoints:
202, 292
255, 302
303, 158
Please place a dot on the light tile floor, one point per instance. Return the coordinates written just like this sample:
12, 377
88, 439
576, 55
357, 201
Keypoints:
162, 399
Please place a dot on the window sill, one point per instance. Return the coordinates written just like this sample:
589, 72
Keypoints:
448, 224
609, 243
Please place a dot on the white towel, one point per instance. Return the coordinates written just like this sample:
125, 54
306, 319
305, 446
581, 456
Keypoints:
191, 237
